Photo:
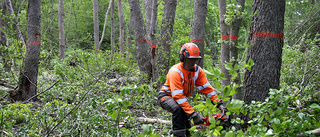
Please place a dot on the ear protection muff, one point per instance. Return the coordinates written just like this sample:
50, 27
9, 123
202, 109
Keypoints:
184, 53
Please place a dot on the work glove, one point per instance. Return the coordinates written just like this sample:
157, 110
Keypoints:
197, 119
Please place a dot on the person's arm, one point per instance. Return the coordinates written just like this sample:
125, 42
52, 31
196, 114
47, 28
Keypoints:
177, 93
204, 86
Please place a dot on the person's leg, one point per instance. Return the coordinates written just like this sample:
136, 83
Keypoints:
179, 122
179, 117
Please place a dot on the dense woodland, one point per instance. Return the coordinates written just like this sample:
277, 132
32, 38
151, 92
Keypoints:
95, 67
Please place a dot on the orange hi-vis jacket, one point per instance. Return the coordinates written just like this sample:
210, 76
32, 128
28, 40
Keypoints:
180, 83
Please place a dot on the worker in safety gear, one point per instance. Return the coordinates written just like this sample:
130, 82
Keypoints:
179, 85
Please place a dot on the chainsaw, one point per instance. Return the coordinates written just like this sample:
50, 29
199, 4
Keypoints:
224, 120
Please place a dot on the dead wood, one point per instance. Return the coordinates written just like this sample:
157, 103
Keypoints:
153, 120
315, 132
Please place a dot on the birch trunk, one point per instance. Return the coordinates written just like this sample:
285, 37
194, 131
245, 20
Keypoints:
121, 28
11, 13
113, 48
96, 25
61, 31
105, 23
225, 47
234, 32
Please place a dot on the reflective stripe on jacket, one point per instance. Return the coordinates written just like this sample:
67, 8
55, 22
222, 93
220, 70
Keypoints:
180, 83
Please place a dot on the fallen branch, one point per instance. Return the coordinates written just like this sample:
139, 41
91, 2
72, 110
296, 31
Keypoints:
6, 85
315, 132
43, 91
152, 120
4, 132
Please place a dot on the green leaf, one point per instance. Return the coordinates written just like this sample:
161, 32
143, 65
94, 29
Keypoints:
267, 117
236, 67
193, 128
212, 120
226, 91
125, 130
315, 106
208, 73
240, 133
114, 115
250, 63
217, 72
275, 120
269, 133
208, 102
228, 66
225, 99
233, 91
145, 128
199, 107
229, 134
250, 115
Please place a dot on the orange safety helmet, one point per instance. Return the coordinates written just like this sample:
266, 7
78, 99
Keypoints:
189, 50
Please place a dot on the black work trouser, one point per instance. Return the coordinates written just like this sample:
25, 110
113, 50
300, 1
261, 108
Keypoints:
180, 121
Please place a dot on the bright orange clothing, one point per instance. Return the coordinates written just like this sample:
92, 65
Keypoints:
180, 83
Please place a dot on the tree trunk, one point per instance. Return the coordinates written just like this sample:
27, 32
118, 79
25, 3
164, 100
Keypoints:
62, 37
197, 34
96, 25
141, 42
113, 45
121, 27
11, 13
129, 39
151, 19
105, 23
225, 47
29, 75
3, 41
166, 32
266, 34
234, 31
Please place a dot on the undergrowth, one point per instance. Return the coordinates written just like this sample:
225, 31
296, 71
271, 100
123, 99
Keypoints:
84, 96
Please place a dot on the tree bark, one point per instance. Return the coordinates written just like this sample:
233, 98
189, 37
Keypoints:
266, 34
129, 39
96, 25
121, 27
234, 31
141, 42
166, 32
105, 23
29, 75
197, 34
3, 41
62, 37
11, 13
151, 23
113, 45
225, 47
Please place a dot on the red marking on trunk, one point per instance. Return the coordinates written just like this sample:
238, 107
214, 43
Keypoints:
163, 38
153, 46
33, 43
267, 34
197, 40
141, 39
